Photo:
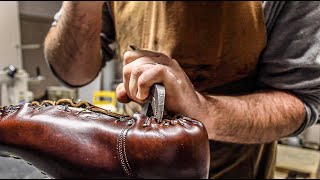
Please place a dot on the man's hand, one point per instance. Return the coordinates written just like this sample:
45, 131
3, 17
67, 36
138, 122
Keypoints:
258, 117
144, 68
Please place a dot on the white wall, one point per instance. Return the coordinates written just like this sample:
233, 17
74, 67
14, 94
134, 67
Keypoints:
9, 34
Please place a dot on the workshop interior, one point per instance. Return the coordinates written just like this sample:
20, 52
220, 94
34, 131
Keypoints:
25, 77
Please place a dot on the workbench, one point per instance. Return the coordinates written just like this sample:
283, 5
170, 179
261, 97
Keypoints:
296, 159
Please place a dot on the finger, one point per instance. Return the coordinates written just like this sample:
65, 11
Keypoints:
130, 56
129, 68
158, 74
133, 82
135, 67
122, 94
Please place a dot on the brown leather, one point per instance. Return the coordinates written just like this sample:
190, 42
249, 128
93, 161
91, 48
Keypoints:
90, 142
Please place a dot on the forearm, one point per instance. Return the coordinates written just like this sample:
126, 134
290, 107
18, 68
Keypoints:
73, 44
256, 118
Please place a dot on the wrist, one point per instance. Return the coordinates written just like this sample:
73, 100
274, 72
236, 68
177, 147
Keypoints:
207, 113
201, 111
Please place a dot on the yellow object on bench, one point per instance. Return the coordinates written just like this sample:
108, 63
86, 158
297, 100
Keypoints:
105, 99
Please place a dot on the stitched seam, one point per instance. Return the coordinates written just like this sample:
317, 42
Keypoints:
122, 153
125, 154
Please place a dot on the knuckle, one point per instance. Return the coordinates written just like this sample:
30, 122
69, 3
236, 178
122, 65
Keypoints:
137, 70
126, 56
142, 83
126, 71
159, 69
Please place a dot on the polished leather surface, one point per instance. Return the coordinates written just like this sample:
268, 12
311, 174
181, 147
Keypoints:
89, 142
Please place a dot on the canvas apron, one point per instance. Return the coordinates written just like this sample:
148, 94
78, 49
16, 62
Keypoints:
218, 45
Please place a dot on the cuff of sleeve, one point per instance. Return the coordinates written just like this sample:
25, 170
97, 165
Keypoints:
306, 123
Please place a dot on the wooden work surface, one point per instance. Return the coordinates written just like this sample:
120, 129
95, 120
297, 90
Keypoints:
298, 159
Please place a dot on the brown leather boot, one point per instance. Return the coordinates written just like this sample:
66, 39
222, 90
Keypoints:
78, 140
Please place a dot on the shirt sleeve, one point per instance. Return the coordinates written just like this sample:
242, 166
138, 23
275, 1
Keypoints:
291, 59
108, 35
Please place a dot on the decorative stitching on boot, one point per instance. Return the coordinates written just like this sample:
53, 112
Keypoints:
122, 155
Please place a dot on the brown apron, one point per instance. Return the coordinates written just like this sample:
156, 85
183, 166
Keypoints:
218, 45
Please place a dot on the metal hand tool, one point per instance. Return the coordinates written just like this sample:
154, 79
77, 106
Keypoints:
156, 99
